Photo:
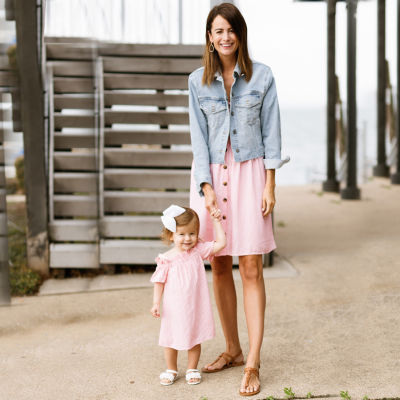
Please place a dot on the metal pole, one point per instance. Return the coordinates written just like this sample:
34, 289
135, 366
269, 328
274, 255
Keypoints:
331, 184
351, 192
180, 22
396, 176
381, 169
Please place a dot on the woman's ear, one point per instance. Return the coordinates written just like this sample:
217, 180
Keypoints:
210, 37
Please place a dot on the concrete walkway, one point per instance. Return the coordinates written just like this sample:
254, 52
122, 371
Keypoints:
332, 326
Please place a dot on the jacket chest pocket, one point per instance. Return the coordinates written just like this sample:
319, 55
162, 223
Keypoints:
214, 110
248, 108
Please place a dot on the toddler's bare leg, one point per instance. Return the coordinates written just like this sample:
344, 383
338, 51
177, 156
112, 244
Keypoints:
193, 359
171, 359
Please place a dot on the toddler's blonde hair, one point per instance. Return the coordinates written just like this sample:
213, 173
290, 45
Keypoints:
181, 220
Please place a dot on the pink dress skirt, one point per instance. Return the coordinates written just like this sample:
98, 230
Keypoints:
239, 187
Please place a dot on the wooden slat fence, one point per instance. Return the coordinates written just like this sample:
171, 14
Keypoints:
118, 148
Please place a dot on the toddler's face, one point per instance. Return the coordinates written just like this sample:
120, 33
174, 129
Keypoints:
185, 236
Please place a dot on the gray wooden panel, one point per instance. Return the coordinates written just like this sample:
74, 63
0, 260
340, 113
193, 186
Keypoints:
3, 224
151, 64
8, 79
73, 85
144, 81
71, 182
157, 50
73, 140
73, 230
1, 135
70, 40
1, 155
146, 179
130, 251
2, 177
74, 101
73, 121
75, 206
146, 117
148, 158
73, 255
2, 199
68, 51
72, 68
156, 99
161, 136
4, 65
71, 161
131, 226
143, 201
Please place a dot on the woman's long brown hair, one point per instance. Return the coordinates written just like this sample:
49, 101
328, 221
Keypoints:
211, 60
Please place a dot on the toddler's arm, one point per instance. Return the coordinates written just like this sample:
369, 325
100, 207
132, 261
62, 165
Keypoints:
220, 238
158, 291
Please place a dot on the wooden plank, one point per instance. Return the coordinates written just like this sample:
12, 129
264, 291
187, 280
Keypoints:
72, 68
75, 206
130, 251
142, 201
68, 51
169, 50
72, 161
73, 121
146, 179
2, 135
8, 79
2, 177
2, 199
144, 81
147, 158
161, 136
74, 140
73, 255
3, 224
71, 182
69, 40
130, 226
142, 99
74, 101
4, 65
146, 117
73, 85
73, 230
151, 65
1, 155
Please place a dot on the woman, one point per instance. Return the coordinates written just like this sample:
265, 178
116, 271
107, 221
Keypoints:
235, 133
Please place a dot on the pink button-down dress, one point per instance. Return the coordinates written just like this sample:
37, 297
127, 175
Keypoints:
186, 315
238, 187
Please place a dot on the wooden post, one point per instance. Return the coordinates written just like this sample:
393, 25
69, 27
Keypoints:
4, 266
395, 178
331, 184
381, 169
32, 111
351, 192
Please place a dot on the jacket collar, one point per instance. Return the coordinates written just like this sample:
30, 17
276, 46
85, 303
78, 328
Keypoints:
236, 73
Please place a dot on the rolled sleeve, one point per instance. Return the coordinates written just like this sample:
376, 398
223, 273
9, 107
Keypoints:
271, 126
199, 139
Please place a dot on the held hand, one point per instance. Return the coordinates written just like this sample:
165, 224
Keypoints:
155, 310
268, 200
216, 214
209, 198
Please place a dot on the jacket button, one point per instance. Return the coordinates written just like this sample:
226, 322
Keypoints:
234, 132
237, 150
232, 113
225, 183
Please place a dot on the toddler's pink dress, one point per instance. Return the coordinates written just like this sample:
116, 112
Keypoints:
186, 315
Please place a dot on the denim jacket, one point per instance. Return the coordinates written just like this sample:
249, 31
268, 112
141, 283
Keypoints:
252, 121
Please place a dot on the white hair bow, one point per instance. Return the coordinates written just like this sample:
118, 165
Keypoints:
168, 217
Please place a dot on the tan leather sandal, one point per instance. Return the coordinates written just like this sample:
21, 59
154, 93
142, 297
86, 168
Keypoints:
248, 373
229, 360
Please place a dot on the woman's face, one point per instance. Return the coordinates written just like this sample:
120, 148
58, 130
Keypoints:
224, 38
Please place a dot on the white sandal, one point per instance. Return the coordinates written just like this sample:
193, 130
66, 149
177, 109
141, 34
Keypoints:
193, 374
170, 375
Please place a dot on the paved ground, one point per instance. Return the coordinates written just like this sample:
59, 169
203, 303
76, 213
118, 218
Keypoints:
332, 326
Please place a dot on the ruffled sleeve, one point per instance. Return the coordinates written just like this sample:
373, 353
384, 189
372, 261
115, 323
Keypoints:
206, 250
161, 272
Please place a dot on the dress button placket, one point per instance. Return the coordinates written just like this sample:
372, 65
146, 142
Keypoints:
223, 204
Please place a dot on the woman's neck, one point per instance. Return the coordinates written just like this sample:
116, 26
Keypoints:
228, 63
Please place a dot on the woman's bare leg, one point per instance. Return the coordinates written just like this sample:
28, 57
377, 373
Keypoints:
251, 271
225, 298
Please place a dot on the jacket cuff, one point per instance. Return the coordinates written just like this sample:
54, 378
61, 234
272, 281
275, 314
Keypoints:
275, 163
200, 190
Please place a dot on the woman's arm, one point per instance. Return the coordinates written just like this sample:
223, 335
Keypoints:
268, 199
157, 293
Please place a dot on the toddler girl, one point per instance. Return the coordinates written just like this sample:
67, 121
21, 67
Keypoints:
186, 318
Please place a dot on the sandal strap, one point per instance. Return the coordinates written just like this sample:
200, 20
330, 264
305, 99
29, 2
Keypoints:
168, 374
229, 359
192, 374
